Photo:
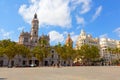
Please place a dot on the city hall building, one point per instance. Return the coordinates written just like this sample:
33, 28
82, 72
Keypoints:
30, 40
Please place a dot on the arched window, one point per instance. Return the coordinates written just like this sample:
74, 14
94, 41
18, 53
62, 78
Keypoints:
35, 41
35, 33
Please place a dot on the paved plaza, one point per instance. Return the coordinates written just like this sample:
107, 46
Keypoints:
63, 73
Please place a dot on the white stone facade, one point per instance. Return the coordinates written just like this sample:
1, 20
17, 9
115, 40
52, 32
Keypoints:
106, 43
84, 38
30, 39
102, 43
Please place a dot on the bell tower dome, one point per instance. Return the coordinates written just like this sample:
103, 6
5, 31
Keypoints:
69, 41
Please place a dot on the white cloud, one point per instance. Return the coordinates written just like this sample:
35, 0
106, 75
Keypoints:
54, 12
32, 1
74, 37
80, 20
56, 37
85, 5
117, 30
5, 34
21, 28
65, 33
104, 36
50, 12
97, 13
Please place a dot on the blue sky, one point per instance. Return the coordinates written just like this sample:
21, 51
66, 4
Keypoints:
100, 18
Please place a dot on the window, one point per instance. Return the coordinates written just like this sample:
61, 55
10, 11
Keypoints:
52, 56
25, 39
35, 33
52, 51
35, 41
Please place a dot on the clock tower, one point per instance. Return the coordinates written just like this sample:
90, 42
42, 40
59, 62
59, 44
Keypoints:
34, 30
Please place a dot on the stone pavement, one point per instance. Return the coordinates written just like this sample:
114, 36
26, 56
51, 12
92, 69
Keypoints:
63, 73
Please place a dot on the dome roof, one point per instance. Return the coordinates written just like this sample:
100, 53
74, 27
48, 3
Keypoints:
69, 40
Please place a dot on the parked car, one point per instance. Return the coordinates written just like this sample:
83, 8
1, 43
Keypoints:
33, 65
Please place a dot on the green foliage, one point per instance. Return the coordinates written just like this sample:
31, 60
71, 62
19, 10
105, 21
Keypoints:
41, 52
37, 52
1, 51
43, 42
22, 50
8, 48
114, 51
11, 49
89, 52
5, 43
65, 52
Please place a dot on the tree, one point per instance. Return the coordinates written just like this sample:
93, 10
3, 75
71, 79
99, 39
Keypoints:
89, 53
1, 51
22, 50
79, 54
117, 52
43, 41
59, 49
40, 53
5, 43
11, 49
37, 52
10, 53
8, 49
65, 53
70, 54
95, 52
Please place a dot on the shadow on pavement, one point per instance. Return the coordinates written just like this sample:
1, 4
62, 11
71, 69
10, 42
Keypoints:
3, 78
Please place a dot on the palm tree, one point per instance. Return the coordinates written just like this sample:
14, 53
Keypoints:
117, 52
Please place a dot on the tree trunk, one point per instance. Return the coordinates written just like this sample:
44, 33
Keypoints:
9, 63
71, 63
18, 64
118, 56
40, 63
28, 62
